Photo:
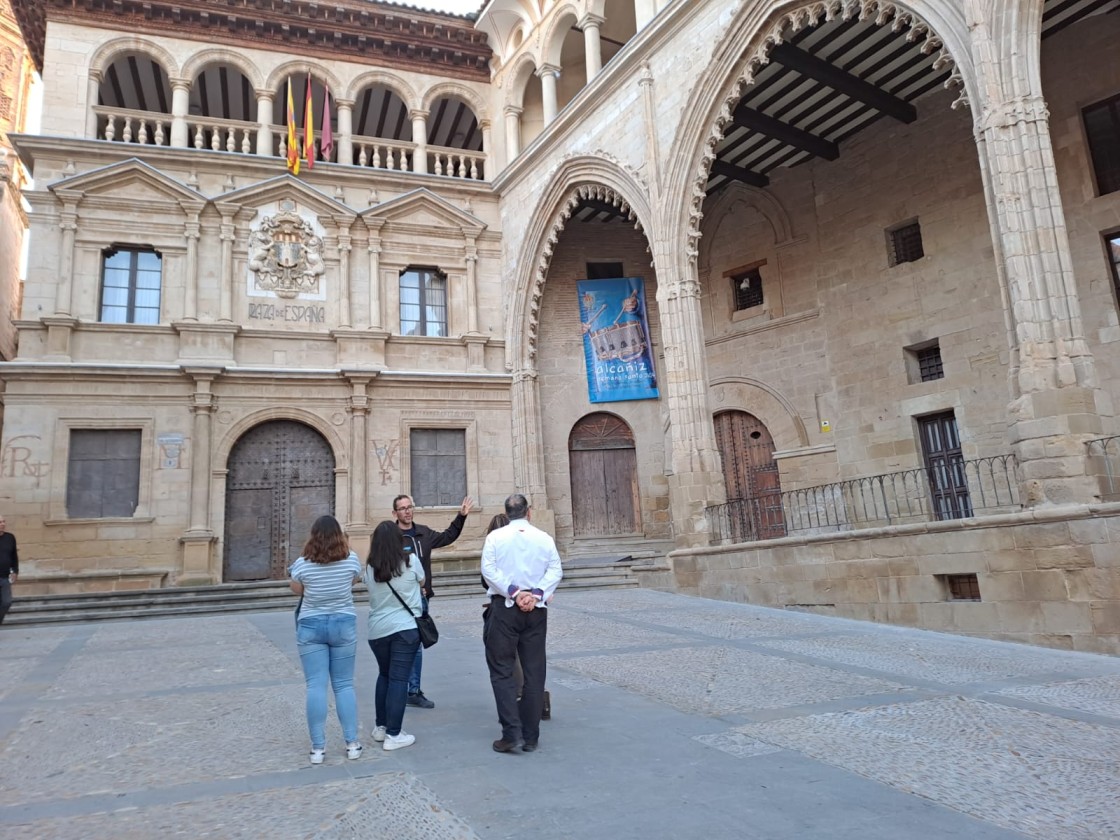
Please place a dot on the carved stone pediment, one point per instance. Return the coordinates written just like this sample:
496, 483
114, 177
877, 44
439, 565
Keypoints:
285, 254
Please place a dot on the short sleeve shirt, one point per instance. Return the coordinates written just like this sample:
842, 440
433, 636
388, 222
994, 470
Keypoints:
327, 587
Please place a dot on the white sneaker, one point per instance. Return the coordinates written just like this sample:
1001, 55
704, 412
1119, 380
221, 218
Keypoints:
395, 742
378, 734
317, 756
353, 750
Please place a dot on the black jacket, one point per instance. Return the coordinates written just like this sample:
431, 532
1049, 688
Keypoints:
9, 555
427, 540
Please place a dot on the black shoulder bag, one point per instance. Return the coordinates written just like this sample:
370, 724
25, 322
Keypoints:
429, 634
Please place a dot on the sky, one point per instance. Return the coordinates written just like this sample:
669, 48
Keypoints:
459, 7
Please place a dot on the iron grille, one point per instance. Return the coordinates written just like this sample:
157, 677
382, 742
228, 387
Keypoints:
963, 587
747, 288
929, 364
906, 243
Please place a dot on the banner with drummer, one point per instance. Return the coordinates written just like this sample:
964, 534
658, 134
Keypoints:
616, 343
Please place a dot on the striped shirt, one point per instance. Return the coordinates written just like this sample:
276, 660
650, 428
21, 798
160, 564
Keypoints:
327, 587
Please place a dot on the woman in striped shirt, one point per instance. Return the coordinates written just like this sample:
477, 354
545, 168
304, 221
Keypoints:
326, 631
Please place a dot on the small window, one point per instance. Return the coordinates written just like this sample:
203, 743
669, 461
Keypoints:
1102, 131
962, 587
103, 473
604, 271
904, 243
929, 364
746, 288
1112, 241
130, 286
423, 302
438, 463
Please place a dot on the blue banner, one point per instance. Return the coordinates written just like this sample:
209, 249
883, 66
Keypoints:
616, 340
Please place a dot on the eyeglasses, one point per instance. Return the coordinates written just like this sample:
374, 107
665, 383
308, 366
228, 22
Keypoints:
403, 509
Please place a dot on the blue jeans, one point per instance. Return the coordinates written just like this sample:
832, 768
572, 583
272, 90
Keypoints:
414, 677
395, 654
327, 644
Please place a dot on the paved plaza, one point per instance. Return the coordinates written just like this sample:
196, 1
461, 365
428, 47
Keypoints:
673, 717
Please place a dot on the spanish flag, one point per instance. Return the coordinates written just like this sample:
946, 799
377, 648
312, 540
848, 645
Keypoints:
293, 141
308, 127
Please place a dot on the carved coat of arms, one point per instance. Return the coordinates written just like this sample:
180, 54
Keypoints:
285, 255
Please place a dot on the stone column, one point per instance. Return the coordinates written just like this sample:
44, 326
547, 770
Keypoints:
528, 439
513, 132
64, 292
191, 232
420, 138
199, 538
472, 284
358, 410
487, 141
345, 131
548, 74
265, 117
592, 46
93, 90
345, 311
226, 302
180, 110
696, 477
376, 307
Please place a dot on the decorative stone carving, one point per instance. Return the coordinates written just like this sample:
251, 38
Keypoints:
285, 254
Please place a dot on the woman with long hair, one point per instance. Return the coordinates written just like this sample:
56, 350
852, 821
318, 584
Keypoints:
326, 631
393, 574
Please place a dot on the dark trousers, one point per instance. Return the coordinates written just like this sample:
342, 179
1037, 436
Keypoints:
511, 635
5, 597
395, 654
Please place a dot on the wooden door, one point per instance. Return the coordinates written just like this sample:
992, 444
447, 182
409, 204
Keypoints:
281, 479
941, 446
751, 477
604, 474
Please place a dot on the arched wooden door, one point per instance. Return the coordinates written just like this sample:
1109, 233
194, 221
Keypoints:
281, 479
604, 473
750, 474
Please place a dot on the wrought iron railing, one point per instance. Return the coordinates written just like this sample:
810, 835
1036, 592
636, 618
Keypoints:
959, 489
1104, 462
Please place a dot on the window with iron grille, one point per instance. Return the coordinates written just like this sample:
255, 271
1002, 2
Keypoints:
1112, 242
423, 302
904, 243
746, 287
1102, 132
929, 363
130, 285
103, 473
438, 466
962, 587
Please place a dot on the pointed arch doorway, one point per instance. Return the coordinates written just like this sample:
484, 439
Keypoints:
281, 478
750, 475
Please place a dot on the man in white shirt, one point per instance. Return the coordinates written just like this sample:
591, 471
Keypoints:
522, 569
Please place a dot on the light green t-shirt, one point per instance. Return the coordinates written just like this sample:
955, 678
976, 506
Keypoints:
386, 615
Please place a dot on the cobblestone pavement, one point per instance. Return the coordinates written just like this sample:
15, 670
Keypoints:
673, 717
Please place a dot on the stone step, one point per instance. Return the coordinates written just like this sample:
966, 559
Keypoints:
257, 595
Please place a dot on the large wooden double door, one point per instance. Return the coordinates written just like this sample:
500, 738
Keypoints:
280, 480
604, 475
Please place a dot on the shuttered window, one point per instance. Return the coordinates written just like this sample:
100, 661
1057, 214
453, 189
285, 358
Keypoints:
103, 473
438, 464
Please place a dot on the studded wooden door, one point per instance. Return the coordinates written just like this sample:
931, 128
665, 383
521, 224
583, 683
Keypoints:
604, 475
281, 478
750, 475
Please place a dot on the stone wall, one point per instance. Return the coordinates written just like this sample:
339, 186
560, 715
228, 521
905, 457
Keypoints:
1048, 577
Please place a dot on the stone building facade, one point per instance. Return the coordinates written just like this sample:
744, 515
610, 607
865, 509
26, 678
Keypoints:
879, 245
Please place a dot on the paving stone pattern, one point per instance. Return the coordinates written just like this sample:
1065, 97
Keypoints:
672, 717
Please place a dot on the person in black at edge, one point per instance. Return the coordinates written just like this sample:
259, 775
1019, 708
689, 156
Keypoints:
424, 540
9, 567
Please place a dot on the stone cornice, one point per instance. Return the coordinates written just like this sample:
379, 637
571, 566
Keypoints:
367, 31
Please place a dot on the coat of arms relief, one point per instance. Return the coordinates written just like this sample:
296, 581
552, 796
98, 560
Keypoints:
285, 254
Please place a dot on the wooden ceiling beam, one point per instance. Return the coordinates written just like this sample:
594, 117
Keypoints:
844, 82
738, 173
784, 133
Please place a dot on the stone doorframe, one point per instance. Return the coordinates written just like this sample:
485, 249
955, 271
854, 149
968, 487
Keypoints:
596, 176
